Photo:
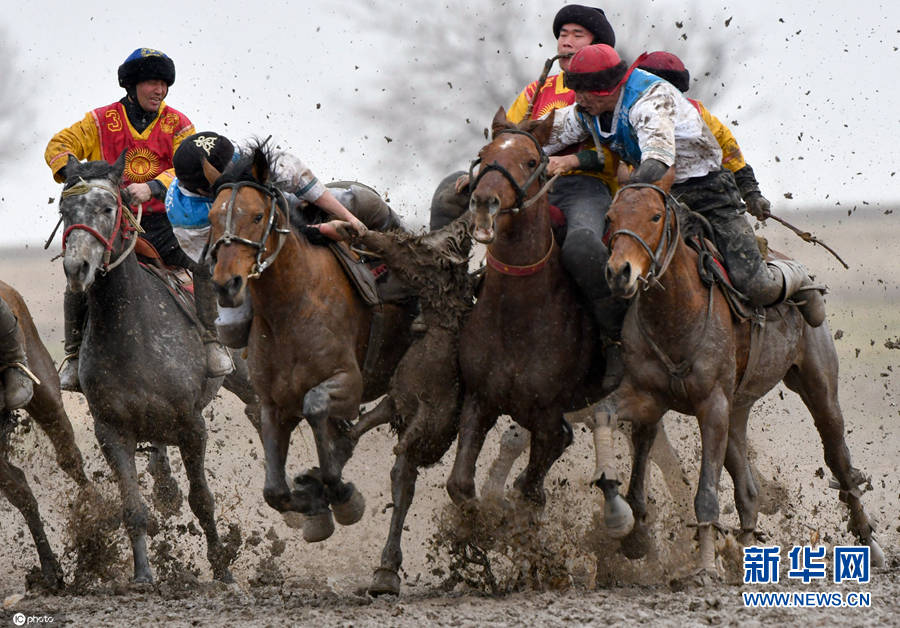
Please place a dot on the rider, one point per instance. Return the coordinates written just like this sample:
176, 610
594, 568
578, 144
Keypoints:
17, 386
144, 126
653, 127
188, 201
670, 67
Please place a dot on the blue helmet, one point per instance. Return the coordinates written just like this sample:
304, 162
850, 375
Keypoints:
145, 64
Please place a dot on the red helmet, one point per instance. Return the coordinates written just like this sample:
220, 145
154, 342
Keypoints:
596, 68
667, 66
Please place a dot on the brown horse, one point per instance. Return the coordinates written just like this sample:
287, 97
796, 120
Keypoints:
46, 408
308, 340
683, 351
528, 349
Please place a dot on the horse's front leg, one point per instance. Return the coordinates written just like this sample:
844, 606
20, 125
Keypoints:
637, 543
474, 423
746, 495
712, 416
547, 445
329, 408
15, 488
166, 495
193, 453
118, 449
276, 427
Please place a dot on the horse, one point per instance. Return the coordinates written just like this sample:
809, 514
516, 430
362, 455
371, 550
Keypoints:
528, 349
684, 351
310, 340
142, 365
424, 399
46, 408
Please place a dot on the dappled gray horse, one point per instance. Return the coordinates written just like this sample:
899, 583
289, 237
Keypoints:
142, 365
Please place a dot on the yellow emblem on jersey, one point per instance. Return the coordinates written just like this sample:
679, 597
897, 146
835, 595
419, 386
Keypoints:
141, 165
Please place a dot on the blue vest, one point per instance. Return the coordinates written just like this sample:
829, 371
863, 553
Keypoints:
191, 212
623, 140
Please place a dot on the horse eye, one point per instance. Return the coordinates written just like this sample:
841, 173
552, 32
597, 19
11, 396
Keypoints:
257, 218
656, 218
532, 163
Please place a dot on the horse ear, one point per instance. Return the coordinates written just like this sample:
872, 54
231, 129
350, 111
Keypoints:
210, 172
541, 129
500, 122
666, 182
260, 166
71, 164
115, 174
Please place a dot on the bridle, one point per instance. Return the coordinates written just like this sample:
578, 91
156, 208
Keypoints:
228, 236
127, 225
659, 263
538, 174
665, 248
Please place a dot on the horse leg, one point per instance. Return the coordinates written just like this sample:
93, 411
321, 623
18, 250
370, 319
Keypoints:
379, 415
403, 487
276, 436
712, 417
238, 382
637, 543
166, 495
546, 446
119, 453
746, 497
46, 408
327, 411
512, 444
474, 424
666, 459
14, 487
193, 453
816, 383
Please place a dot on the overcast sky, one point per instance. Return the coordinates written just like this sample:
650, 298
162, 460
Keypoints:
815, 105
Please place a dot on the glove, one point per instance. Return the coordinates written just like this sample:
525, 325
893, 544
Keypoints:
650, 171
758, 205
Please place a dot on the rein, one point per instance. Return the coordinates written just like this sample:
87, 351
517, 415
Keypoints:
278, 200
127, 225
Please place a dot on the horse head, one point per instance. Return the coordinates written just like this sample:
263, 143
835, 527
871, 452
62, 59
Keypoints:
645, 215
244, 214
512, 169
94, 217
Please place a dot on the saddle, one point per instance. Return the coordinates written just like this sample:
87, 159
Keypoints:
176, 280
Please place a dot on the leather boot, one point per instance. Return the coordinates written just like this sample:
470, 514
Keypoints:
800, 289
609, 314
75, 314
17, 385
218, 359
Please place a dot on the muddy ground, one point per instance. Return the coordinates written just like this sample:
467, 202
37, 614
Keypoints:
557, 568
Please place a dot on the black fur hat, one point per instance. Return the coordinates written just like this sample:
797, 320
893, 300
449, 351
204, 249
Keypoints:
145, 64
188, 159
667, 66
591, 18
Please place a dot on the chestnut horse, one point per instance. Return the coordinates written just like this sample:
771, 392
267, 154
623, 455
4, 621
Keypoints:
308, 340
683, 351
46, 408
528, 349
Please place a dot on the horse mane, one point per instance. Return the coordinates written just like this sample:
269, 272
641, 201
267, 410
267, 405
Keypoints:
99, 169
241, 171
692, 223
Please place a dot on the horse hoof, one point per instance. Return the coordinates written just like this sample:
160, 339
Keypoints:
877, 554
636, 544
318, 527
293, 519
351, 510
384, 582
618, 517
